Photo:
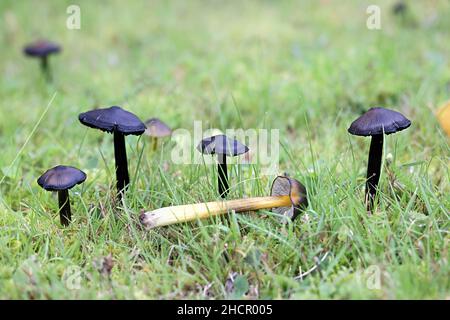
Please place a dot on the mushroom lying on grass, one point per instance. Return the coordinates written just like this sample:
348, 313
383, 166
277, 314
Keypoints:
376, 122
223, 147
42, 49
120, 123
61, 179
288, 198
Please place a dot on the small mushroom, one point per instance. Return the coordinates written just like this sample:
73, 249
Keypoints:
61, 179
42, 49
223, 147
288, 198
399, 8
120, 123
376, 122
156, 129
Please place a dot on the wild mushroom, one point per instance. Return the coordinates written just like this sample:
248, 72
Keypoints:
399, 8
121, 123
61, 179
156, 129
42, 49
376, 122
223, 147
288, 198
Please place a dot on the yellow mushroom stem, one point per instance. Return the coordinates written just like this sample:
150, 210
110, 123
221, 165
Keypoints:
183, 213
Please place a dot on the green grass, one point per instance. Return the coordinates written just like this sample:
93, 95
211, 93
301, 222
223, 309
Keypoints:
305, 69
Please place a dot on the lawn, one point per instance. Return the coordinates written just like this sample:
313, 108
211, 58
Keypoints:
306, 68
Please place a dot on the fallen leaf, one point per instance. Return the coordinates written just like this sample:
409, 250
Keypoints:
443, 116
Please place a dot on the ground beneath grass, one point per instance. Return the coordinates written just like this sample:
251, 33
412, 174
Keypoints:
307, 68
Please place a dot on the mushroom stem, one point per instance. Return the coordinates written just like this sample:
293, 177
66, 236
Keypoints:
373, 169
154, 143
223, 175
183, 213
46, 68
120, 154
64, 207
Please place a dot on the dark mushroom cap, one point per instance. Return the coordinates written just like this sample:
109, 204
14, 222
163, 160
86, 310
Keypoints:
221, 144
41, 48
284, 186
399, 8
113, 119
61, 178
379, 120
157, 128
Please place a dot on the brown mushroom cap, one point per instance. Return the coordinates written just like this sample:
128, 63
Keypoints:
157, 128
284, 186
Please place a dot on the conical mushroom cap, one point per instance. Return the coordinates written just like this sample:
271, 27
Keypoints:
61, 178
221, 144
377, 120
41, 48
284, 186
157, 128
113, 119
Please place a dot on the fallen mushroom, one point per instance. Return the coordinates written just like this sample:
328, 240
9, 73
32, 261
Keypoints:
156, 129
223, 147
288, 198
42, 49
376, 122
121, 123
61, 179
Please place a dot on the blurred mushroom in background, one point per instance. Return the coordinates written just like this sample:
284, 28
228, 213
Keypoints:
42, 49
156, 129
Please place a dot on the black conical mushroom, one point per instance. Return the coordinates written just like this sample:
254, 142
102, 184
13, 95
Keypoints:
223, 147
121, 123
374, 123
61, 179
42, 49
